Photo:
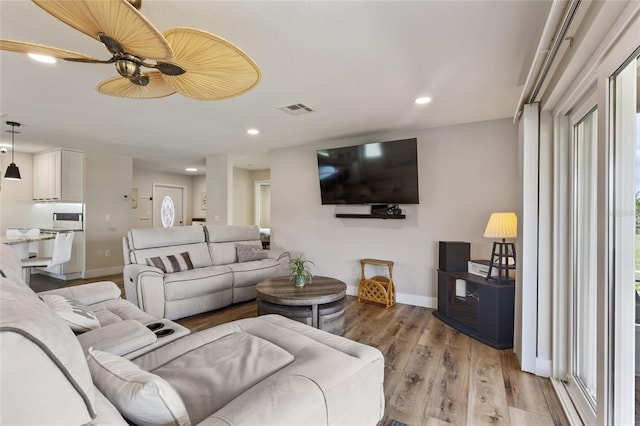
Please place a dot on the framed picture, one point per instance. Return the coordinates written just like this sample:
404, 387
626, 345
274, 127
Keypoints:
203, 200
134, 198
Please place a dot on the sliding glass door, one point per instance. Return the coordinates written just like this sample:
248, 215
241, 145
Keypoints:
582, 375
624, 260
603, 261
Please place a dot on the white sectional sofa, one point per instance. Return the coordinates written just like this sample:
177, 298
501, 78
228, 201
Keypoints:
258, 371
222, 268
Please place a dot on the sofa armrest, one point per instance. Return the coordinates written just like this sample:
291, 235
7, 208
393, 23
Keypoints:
120, 338
89, 294
283, 259
279, 255
144, 287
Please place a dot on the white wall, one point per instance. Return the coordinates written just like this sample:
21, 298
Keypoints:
17, 209
219, 189
466, 173
264, 174
143, 180
199, 186
108, 217
242, 197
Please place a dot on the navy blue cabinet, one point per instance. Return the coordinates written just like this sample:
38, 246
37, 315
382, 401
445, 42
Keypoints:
477, 307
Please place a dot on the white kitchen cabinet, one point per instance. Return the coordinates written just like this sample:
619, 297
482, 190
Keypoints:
58, 175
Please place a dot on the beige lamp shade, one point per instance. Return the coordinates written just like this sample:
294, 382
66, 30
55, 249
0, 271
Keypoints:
502, 225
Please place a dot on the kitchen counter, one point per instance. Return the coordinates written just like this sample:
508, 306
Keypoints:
26, 240
21, 244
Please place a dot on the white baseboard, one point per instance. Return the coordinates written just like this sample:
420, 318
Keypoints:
112, 270
407, 299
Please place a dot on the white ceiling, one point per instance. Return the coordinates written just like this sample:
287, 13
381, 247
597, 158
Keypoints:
359, 64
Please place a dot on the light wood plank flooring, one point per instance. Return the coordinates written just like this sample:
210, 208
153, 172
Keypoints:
434, 375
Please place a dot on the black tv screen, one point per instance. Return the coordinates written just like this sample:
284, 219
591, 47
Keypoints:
373, 173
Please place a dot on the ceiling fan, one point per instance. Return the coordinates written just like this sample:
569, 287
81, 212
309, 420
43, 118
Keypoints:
192, 62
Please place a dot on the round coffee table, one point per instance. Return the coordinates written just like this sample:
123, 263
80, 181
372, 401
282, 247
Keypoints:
320, 304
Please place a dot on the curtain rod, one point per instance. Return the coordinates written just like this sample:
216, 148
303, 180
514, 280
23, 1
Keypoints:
551, 53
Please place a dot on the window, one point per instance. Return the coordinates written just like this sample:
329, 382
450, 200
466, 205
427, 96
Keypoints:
167, 212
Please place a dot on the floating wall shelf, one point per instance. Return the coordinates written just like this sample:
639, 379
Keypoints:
370, 216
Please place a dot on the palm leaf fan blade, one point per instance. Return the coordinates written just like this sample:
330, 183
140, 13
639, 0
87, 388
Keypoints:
122, 87
40, 49
115, 18
215, 68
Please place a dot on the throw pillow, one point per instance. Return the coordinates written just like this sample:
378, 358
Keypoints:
142, 397
248, 252
171, 263
79, 317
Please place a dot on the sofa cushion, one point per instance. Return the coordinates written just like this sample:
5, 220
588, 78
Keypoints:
42, 363
213, 373
145, 238
142, 397
118, 310
107, 414
197, 282
10, 264
141, 244
198, 253
223, 253
88, 294
79, 317
226, 253
231, 233
121, 338
250, 273
172, 263
249, 252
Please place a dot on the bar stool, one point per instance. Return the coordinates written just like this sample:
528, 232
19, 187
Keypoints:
379, 288
62, 246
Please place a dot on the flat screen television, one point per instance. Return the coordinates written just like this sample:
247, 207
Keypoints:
373, 173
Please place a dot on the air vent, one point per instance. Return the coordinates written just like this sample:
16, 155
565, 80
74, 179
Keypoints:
296, 109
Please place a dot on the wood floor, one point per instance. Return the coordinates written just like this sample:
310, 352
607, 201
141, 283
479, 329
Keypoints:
433, 374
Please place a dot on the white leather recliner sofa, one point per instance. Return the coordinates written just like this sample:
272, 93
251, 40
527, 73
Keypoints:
227, 261
258, 371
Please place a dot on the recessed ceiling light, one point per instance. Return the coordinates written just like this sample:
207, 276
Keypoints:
190, 169
253, 131
423, 100
42, 58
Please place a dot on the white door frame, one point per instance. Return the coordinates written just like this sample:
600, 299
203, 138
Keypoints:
256, 195
155, 185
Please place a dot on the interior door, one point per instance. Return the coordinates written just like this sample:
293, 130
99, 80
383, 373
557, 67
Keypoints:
168, 205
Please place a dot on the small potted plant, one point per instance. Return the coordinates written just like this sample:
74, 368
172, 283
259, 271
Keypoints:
299, 270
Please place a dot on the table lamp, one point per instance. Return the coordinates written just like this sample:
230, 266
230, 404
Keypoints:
503, 256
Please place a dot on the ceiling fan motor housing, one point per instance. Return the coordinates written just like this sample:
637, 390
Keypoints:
127, 68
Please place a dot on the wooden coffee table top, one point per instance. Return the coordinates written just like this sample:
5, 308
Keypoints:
282, 291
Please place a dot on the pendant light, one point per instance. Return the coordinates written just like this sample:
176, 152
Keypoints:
12, 173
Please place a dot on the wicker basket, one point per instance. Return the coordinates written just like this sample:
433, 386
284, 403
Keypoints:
378, 289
